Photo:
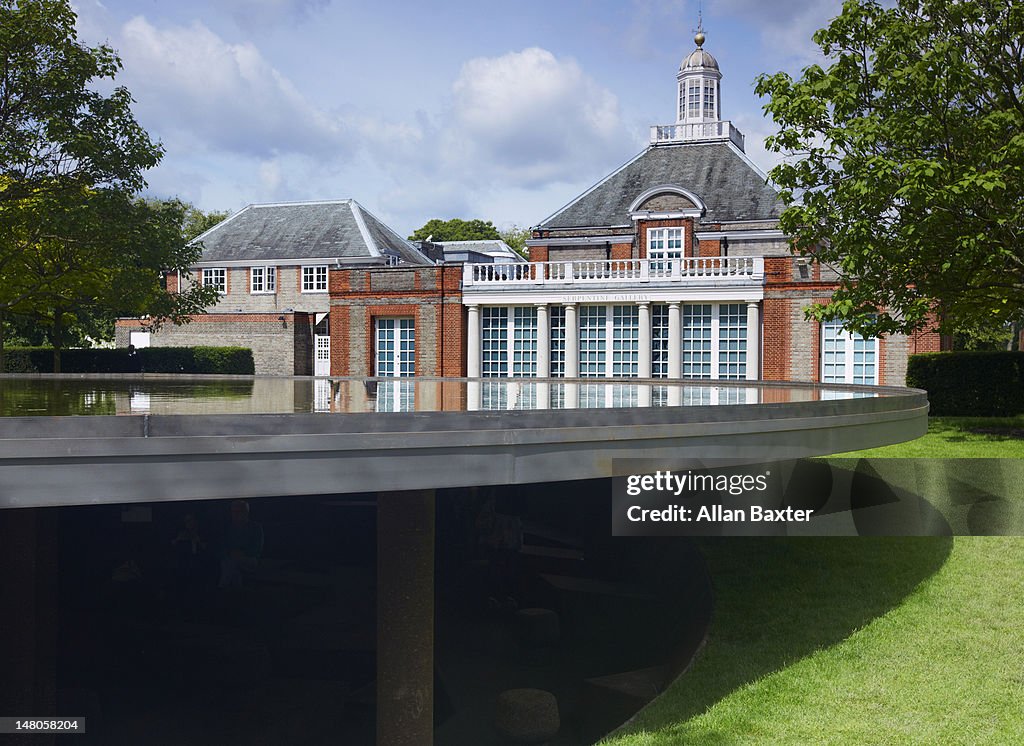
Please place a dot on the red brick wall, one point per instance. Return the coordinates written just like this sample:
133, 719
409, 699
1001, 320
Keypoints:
538, 253
440, 327
622, 250
776, 341
172, 282
709, 248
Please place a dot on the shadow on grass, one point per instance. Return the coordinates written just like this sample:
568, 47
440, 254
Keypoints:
780, 599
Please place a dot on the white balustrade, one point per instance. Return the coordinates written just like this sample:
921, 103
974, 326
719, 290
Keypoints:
745, 270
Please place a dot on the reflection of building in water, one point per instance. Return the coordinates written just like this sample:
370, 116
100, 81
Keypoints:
671, 267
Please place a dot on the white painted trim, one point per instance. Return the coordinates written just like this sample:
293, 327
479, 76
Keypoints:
670, 189
692, 295
303, 262
646, 215
581, 240
355, 207
739, 235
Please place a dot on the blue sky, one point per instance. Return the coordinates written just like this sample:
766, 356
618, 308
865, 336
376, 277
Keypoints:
501, 111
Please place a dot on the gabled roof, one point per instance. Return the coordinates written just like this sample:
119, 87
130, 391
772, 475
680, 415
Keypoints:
340, 229
728, 182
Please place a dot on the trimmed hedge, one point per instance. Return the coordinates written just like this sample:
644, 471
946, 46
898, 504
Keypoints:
973, 384
221, 360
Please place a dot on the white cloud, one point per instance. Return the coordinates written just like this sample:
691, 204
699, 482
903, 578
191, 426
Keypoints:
192, 84
531, 119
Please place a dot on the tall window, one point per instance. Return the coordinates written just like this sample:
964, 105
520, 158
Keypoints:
593, 341
697, 340
625, 341
682, 102
314, 279
709, 99
263, 280
732, 341
396, 347
847, 357
556, 322
693, 99
714, 341
508, 342
659, 340
216, 278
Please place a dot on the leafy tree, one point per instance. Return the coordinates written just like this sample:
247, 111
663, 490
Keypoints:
456, 230
906, 162
77, 248
516, 238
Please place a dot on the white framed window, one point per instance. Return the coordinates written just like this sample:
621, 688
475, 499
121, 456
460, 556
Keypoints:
659, 340
556, 324
216, 277
263, 279
709, 99
714, 341
508, 343
609, 341
396, 347
314, 279
693, 100
682, 102
664, 245
847, 357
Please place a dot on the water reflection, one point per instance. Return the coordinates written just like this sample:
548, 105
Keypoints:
48, 396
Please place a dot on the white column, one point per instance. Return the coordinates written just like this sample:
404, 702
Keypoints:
753, 342
473, 342
644, 368
675, 341
543, 342
572, 342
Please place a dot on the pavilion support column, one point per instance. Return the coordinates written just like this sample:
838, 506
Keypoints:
572, 342
644, 368
543, 355
473, 342
405, 618
543, 342
28, 610
753, 342
473, 358
675, 341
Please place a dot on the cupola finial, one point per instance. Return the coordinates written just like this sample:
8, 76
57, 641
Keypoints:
699, 35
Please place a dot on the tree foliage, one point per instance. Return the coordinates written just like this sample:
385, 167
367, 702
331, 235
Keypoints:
456, 230
77, 247
516, 238
906, 162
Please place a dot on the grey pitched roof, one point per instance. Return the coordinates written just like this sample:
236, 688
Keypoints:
340, 229
730, 184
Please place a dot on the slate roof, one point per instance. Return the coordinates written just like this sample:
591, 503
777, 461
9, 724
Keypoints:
730, 184
304, 231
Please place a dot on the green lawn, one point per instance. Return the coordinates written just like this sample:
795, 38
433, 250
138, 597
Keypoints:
861, 640
956, 437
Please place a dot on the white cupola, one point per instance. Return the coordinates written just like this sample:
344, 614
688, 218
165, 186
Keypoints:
698, 91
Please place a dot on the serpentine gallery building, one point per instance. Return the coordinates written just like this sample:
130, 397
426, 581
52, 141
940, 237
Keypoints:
673, 266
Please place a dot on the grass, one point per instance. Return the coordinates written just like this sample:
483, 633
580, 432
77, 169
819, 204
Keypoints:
956, 437
862, 640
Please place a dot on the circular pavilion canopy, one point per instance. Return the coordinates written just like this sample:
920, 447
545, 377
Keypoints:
175, 438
